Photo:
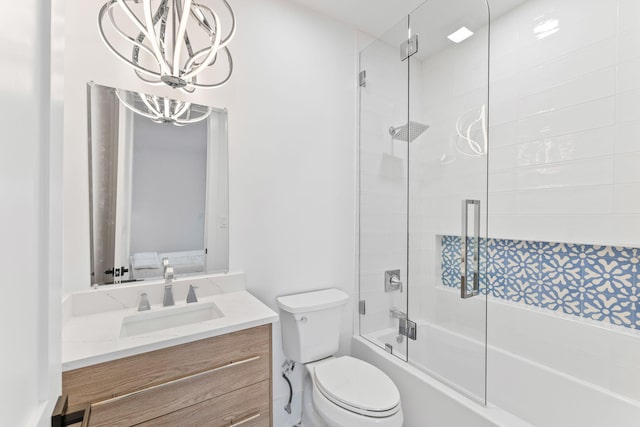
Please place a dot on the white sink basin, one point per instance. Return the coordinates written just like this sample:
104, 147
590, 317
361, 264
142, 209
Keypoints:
168, 317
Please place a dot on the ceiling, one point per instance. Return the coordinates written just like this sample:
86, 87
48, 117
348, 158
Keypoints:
375, 17
371, 16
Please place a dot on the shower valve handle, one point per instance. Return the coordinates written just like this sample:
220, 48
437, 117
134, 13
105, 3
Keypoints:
396, 282
392, 281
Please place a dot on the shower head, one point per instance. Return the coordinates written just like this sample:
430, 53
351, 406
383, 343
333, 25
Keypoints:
408, 132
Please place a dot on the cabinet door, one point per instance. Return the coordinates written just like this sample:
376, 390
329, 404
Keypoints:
163, 399
248, 407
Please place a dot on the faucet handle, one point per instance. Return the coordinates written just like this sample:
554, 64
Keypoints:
144, 302
191, 296
395, 281
168, 296
392, 281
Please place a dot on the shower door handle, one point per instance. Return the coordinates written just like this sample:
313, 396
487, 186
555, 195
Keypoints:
465, 292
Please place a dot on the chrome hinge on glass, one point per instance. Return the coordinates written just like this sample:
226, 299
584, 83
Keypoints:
362, 307
362, 77
407, 328
408, 48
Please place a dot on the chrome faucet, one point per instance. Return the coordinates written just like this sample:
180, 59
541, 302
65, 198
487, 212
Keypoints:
191, 296
168, 288
397, 314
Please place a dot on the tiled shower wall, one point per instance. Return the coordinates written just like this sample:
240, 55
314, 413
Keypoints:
593, 282
565, 122
564, 133
564, 139
564, 116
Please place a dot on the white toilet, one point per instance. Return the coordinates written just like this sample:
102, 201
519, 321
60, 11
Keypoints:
338, 391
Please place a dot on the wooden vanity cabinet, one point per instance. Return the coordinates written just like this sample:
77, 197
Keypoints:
218, 381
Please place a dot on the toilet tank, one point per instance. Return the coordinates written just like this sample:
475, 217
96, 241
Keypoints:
311, 324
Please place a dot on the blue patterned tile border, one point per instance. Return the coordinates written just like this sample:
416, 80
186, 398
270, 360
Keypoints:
594, 282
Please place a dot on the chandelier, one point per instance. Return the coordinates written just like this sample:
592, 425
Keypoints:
163, 110
172, 42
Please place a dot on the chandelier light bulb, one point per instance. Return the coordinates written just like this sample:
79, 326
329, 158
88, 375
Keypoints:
172, 42
163, 110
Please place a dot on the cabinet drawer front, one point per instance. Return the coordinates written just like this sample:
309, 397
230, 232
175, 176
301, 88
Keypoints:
248, 407
163, 399
123, 376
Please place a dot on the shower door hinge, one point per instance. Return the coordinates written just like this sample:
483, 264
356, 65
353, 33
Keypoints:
409, 48
362, 307
407, 328
362, 77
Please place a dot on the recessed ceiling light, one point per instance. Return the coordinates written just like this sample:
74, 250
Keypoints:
461, 35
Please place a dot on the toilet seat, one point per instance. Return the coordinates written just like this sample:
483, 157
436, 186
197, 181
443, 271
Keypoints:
358, 387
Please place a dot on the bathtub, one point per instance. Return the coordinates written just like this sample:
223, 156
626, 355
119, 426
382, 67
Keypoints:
528, 383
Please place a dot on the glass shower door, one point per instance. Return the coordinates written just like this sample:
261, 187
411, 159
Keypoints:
447, 216
383, 169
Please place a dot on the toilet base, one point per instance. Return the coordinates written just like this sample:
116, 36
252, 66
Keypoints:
310, 417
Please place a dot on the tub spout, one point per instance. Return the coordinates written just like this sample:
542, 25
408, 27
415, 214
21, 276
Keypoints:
397, 314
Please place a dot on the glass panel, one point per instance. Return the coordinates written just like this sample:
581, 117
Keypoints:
383, 191
448, 184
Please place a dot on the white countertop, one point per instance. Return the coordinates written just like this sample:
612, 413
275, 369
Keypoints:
94, 337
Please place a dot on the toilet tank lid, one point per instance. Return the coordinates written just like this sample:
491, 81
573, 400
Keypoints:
312, 301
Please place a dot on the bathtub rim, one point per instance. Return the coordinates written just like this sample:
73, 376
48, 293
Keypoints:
490, 412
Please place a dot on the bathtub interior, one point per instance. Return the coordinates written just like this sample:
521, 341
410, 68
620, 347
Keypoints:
390, 340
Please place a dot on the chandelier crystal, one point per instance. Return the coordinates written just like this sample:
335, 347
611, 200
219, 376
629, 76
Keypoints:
163, 110
173, 42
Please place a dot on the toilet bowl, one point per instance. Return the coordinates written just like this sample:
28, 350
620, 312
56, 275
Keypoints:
347, 392
338, 391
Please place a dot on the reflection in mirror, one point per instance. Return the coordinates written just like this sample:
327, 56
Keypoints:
158, 186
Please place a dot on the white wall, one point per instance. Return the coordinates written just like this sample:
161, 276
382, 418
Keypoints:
292, 126
29, 177
565, 122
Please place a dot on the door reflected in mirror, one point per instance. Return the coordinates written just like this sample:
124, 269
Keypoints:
159, 188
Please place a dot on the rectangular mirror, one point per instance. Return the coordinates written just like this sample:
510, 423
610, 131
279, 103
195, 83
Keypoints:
158, 171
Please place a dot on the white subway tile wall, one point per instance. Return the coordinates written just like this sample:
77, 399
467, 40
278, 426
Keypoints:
565, 123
